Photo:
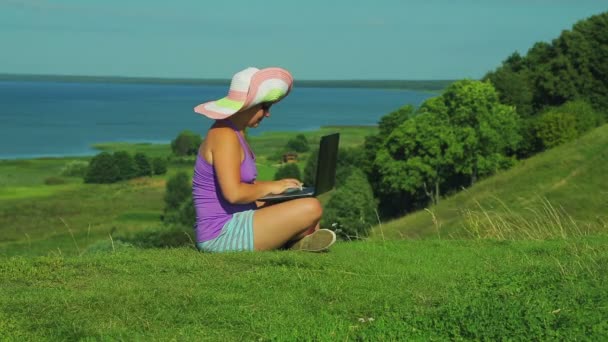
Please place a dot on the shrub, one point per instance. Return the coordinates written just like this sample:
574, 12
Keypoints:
102, 169
178, 190
185, 215
159, 165
351, 209
186, 143
585, 116
75, 168
144, 167
126, 165
298, 144
553, 128
290, 170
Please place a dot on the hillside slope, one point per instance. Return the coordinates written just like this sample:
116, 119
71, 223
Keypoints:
560, 192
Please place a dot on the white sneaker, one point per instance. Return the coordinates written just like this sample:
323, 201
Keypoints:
318, 241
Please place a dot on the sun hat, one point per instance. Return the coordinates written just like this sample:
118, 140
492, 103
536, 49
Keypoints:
249, 87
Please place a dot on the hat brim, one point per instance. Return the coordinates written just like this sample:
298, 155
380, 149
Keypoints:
219, 109
266, 85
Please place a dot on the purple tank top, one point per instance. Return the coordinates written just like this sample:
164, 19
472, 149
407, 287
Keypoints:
212, 209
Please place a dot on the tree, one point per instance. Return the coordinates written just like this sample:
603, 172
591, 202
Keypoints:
290, 170
126, 165
144, 167
186, 143
159, 165
298, 144
178, 190
487, 129
102, 169
393, 119
351, 209
513, 85
419, 156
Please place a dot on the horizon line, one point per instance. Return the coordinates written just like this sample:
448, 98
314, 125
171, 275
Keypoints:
189, 79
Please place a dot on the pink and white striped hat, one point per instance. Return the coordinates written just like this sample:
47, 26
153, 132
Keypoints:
248, 88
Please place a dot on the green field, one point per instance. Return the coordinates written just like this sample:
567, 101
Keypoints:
77, 261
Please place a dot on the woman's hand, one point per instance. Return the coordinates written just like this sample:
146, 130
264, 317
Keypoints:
278, 187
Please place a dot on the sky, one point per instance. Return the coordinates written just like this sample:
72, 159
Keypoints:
314, 39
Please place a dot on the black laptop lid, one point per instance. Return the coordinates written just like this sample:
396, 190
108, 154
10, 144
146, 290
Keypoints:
326, 163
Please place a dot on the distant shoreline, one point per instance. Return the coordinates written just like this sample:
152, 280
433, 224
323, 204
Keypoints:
415, 85
93, 149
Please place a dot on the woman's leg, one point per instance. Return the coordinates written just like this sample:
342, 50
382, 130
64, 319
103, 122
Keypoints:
275, 225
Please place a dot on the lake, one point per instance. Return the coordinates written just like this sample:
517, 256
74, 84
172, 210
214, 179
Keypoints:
65, 118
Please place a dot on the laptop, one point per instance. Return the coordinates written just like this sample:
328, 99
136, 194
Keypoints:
326, 173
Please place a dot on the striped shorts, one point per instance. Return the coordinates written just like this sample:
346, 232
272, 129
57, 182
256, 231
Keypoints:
236, 235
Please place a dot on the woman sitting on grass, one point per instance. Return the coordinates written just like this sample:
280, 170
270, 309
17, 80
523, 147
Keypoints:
224, 186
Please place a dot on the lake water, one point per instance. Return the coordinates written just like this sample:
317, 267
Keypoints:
62, 118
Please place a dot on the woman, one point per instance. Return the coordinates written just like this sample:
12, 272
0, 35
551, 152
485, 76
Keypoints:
224, 185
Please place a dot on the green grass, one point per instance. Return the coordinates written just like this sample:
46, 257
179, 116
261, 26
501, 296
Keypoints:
562, 191
424, 290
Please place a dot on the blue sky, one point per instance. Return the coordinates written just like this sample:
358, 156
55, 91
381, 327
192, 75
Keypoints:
381, 39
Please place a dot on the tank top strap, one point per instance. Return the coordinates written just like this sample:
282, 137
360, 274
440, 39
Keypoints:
244, 144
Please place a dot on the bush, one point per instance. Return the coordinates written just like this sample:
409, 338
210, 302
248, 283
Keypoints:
159, 165
186, 143
75, 168
185, 215
126, 165
351, 209
144, 167
553, 128
179, 189
585, 116
102, 169
298, 144
290, 170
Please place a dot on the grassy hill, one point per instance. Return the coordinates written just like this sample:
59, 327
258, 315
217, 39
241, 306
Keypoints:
404, 290
77, 262
558, 193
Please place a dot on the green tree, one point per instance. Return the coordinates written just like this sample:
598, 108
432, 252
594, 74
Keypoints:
419, 156
393, 119
298, 144
178, 190
573, 66
102, 169
487, 129
351, 209
126, 165
186, 143
144, 167
159, 165
512, 83
289, 170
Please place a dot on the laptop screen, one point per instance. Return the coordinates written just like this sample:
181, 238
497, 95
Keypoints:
326, 163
